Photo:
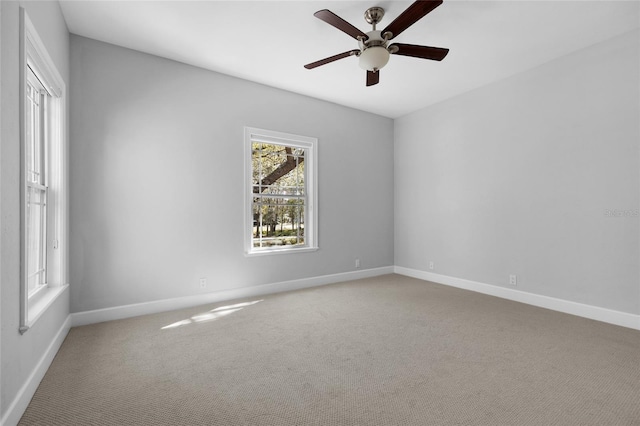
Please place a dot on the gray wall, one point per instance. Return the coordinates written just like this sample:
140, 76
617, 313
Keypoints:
515, 178
20, 354
157, 179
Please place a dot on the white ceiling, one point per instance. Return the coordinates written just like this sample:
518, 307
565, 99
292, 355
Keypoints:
269, 42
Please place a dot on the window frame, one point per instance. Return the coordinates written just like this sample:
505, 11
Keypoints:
34, 56
310, 144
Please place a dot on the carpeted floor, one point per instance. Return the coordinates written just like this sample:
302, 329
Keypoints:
389, 350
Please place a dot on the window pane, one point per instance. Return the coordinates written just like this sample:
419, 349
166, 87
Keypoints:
278, 222
277, 169
35, 238
278, 181
34, 149
32, 124
35, 209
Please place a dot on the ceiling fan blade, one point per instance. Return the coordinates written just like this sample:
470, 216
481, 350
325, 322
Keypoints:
424, 52
373, 78
336, 21
410, 16
331, 59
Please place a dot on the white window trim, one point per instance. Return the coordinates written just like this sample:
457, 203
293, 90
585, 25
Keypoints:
311, 168
33, 52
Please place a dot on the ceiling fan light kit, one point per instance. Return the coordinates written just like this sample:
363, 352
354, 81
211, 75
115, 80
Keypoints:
374, 58
374, 48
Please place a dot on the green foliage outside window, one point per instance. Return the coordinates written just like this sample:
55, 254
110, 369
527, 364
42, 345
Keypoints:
278, 179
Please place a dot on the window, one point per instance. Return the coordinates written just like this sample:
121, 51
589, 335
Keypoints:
281, 195
35, 150
42, 178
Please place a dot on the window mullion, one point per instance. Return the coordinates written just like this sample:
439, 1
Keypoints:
43, 181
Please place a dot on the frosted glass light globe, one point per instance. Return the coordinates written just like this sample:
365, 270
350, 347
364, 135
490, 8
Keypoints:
374, 58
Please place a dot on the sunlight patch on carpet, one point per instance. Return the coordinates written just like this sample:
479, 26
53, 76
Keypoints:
212, 315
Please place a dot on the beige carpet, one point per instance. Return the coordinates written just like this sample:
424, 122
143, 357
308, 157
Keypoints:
390, 350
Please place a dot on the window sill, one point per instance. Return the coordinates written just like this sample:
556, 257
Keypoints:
39, 305
280, 251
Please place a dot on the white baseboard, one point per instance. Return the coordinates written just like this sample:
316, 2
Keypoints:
19, 405
610, 316
127, 311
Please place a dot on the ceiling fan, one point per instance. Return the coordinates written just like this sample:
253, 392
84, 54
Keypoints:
374, 47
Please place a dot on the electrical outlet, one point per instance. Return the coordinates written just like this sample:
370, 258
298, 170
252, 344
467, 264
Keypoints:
203, 282
431, 266
357, 263
513, 280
